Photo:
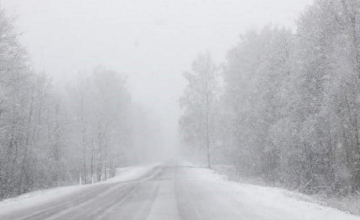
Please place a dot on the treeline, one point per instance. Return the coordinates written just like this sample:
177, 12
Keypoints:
289, 111
51, 136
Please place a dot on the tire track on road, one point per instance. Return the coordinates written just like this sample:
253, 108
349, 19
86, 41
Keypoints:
45, 213
77, 199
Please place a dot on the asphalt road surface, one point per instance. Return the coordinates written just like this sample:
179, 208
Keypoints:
166, 192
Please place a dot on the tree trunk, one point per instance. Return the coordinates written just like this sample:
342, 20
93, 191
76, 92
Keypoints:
208, 132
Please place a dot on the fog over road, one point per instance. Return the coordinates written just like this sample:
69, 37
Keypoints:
164, 192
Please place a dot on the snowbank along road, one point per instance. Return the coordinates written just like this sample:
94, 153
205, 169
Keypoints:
172, 192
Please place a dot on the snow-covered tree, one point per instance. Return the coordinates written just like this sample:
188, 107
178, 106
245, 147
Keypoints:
197, 102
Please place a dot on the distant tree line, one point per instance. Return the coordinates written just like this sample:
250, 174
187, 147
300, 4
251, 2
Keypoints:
289, 108
51, 137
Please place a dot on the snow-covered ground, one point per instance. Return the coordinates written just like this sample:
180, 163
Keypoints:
269, 202
41, 197
171, 193
130, 173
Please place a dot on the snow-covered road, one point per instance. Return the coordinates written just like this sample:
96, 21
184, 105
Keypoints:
169, 192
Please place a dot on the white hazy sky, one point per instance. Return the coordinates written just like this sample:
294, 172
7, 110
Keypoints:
152, 41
